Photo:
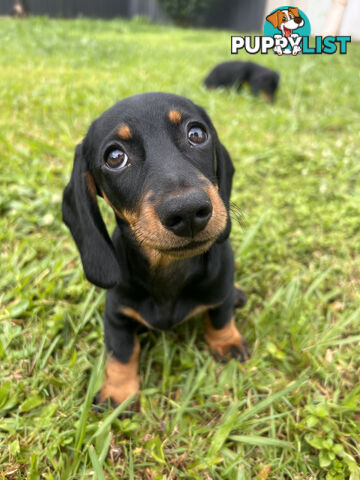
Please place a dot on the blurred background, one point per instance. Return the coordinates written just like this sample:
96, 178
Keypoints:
327, 17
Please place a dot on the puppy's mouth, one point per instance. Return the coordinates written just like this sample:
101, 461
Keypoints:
287, 31
191, 246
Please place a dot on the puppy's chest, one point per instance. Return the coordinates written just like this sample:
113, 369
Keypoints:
169, 302
167, 283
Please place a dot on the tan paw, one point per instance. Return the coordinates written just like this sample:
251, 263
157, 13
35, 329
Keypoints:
227, 342
121, 380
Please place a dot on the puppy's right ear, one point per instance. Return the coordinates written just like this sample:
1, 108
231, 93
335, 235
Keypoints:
82, 215
274, 18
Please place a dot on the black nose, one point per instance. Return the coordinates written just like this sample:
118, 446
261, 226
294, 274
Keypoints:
186, 214
298, 20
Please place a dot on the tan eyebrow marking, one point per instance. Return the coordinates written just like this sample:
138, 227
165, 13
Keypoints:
174, 116
124, 132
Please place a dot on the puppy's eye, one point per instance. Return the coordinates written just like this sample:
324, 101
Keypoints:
284, 19
197, 135
116, 159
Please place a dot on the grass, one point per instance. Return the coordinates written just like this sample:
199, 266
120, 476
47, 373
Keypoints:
292, 411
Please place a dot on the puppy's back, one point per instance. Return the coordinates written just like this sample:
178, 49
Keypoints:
227, 74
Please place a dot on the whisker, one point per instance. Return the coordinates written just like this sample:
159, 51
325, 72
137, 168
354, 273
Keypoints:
237, 214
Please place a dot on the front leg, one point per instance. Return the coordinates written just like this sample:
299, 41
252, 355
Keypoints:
123, 349
222, 336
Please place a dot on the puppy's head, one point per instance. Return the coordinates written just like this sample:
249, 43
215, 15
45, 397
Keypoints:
286, 20
157, 161
266, 82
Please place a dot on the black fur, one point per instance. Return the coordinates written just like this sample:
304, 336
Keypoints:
236, 73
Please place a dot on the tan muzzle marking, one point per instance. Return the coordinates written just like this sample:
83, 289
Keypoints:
129, 217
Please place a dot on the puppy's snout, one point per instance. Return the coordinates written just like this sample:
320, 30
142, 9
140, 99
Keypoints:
186, 214
298, 20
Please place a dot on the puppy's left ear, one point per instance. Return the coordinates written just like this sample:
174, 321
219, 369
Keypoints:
82, 215
224, 171
294, 11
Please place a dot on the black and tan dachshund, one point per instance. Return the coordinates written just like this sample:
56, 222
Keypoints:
156, 159
236, 74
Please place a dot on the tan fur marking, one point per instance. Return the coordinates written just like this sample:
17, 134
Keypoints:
155, 257
158, 259
217, 222
198, 310
220, 341
132, 313
124, 132
155, 239
91, 184
267, 97
175, 116
129, 217
121, 379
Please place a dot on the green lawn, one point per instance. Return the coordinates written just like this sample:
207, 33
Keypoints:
292, 411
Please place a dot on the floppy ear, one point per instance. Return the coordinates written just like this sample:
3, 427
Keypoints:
274, 19
82, 215
225, 172
294, 11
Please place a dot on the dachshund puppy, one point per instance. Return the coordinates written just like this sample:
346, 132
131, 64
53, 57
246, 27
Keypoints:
156, 159
236, 74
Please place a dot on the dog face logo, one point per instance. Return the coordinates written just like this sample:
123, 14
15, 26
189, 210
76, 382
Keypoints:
286, 20
287, 25
287, 32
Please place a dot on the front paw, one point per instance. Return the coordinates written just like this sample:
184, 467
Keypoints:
239, 352
99, 405
121, 382
227, 342
278, 50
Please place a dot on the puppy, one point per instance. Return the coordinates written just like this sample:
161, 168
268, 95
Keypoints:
286, 21
156, 159
236, 74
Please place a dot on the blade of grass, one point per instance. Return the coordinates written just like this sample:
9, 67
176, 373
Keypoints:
232, 419
99, 473
80, 432
112, 416
260, 441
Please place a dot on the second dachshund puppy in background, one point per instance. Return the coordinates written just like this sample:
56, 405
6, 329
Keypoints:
236, 74
156, 159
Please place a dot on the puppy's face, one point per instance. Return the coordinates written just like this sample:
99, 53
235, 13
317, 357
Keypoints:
268, 84
156, 160
286, 20
153, 161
